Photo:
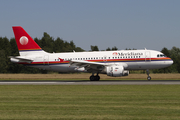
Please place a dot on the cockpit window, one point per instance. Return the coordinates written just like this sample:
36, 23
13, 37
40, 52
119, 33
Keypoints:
161, 55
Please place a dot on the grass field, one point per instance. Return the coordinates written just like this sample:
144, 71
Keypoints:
85, 76
146, 102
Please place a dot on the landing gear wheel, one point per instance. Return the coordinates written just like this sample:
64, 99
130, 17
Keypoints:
97, 77
94, 78
148, 78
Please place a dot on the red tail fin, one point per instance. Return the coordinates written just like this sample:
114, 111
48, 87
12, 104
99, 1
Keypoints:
23, 40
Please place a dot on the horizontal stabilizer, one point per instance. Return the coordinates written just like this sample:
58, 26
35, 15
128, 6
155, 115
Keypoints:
20, 59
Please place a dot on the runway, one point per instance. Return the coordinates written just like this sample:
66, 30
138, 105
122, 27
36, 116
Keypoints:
85, 82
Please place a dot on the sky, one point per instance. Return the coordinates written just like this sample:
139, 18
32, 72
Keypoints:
138, 24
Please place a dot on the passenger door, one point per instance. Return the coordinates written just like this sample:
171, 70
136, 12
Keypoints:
147, 56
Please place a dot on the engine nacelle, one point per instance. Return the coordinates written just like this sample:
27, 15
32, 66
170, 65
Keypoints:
82, 69
116, 71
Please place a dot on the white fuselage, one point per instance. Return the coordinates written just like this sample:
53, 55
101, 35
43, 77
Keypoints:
129, 59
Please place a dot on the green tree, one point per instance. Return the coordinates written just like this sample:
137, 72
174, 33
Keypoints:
175, 56
14, 48
94, 48
3, 62
114, 48
78, 49
108, 49
47, 43
166, 52
58, 45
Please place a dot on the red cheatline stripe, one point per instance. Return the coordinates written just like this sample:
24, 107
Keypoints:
119, 60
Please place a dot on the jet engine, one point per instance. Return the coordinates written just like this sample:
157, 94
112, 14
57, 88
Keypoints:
116, 71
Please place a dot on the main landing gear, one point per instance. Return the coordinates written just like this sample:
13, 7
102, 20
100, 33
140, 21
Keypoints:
148, 78
94, 78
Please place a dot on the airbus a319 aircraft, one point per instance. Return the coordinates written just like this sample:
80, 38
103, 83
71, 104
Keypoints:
113, 63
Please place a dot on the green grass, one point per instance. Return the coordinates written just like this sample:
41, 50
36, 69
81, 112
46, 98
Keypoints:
151, 102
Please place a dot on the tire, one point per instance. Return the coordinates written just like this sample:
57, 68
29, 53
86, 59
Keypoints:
92, 78
97, 78
148, 78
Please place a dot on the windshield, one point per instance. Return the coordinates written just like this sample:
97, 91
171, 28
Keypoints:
161, 55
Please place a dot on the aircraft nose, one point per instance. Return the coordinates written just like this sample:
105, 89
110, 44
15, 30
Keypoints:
170, 62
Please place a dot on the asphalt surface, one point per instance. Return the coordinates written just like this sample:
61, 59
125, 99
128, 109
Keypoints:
85, 82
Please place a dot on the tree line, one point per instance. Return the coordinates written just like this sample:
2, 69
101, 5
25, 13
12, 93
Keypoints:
49, 44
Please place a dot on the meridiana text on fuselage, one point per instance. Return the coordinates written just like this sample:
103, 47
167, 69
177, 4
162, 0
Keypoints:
127, 53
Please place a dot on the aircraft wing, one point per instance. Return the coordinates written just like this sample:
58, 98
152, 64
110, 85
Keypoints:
94, 66
90, 66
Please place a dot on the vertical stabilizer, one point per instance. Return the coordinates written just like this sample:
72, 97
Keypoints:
26, 45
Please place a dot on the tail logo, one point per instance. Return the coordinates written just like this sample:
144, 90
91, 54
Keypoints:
23, 40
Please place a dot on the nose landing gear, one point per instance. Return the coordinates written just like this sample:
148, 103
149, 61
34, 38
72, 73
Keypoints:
148, 78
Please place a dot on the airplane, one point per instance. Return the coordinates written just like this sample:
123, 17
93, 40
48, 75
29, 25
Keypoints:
113, 63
